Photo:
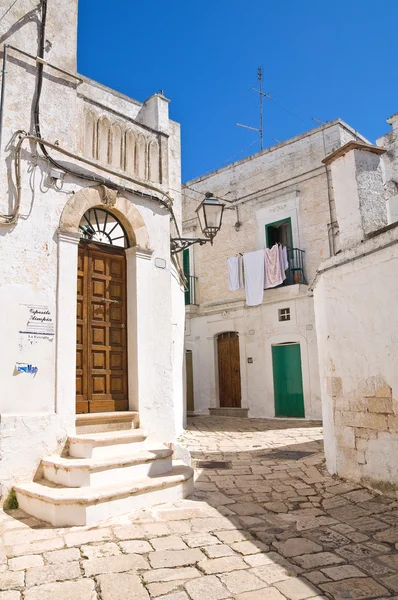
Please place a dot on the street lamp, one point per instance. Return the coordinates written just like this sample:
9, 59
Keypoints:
209, 214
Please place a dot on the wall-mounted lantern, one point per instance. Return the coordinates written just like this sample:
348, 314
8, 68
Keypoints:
209, 212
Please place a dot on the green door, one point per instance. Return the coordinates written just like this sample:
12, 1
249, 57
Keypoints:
185, 264
288, 381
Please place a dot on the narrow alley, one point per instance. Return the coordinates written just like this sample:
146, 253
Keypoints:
266, 522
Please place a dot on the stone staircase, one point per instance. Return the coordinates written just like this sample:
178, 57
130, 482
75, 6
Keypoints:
109, 469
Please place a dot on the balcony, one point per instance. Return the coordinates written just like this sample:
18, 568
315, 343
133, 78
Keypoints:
295, 271
190, 292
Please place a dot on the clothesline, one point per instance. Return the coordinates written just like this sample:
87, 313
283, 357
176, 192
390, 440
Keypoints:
258, 271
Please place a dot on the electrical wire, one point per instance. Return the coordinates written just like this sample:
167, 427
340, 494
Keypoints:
288, 111
8, 10
36, 113
11, 219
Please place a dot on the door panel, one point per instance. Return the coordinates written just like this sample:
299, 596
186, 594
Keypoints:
229, 370
101, 373
288, 381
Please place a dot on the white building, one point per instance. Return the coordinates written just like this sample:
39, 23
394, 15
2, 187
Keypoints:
357, 328
92, 307
236, 353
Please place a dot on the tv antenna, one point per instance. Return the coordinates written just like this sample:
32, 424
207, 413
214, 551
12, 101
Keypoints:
261, 96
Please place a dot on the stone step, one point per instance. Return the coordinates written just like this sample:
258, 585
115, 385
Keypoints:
80, 472
106, 421
106, 444
229, 412
64, 507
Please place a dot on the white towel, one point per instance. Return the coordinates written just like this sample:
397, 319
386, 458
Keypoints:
283, 261
272, 267
235, 277
254, 277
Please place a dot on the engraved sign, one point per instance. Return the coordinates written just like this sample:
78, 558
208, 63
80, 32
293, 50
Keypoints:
39, 325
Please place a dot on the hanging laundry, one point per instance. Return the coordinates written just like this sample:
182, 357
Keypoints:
272, 268
253, 263
283, 261
235, 275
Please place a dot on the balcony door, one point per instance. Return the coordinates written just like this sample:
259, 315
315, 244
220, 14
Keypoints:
279, 232
229, 370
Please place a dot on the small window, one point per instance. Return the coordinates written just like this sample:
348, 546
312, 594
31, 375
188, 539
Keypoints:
284, 314
228, 334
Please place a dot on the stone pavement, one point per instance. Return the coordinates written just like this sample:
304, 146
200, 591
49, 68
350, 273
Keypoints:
266, 523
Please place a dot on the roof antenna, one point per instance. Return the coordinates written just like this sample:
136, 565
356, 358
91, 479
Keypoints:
261, 96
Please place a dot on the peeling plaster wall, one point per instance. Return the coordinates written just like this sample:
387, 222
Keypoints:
34, 421
369, 176
357, 339
389, 141
285, 181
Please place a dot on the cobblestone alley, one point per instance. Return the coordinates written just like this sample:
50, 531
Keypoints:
265, 523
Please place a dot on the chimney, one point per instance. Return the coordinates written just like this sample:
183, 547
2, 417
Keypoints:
358, 183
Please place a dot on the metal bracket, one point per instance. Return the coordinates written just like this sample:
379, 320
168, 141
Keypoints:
180, 244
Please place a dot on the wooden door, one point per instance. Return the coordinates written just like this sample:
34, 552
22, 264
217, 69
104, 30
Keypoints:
229, 370
288, 381
101, 350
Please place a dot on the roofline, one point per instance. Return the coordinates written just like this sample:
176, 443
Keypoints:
120, 94
353, 145
277, 146
392, 118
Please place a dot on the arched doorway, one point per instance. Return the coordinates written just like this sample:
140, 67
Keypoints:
229, 370
101, 340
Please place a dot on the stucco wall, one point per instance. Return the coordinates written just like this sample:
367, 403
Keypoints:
357, 334
37, 411
258, 329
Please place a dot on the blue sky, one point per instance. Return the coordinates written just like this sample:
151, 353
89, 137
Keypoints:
320, 59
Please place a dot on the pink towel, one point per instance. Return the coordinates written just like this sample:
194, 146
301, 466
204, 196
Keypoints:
272, 268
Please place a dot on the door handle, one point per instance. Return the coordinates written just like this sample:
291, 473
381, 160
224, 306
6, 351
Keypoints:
109, 300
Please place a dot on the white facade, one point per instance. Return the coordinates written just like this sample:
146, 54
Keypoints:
136, 148
287, 182
357, 328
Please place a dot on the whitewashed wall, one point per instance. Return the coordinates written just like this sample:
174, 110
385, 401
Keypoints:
36, 412
357, 333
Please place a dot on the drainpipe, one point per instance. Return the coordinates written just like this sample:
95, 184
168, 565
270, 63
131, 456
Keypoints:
3, 91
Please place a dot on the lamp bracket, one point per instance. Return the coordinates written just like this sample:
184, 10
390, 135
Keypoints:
180, 244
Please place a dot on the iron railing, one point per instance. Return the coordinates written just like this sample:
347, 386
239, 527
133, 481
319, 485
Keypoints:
295, 271
190, 292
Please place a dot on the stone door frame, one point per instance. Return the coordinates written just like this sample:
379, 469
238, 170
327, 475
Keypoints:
138, 256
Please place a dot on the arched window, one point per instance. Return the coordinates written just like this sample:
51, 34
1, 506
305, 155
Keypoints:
101, 226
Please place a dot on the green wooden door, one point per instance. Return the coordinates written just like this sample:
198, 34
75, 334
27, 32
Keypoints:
185, 261
288, 381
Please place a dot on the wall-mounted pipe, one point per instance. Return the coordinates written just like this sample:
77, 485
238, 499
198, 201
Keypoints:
44, 62
3, 93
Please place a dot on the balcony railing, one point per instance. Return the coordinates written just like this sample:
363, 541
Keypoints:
190, 292
295, 271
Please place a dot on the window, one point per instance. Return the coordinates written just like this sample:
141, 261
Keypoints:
284, 314
101, 226
279, 232
228, 334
